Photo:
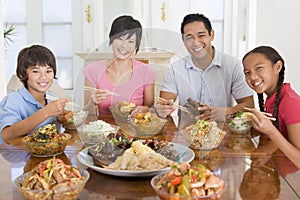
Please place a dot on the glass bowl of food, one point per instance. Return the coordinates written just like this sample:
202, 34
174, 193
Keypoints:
93, 132
183, 182
142, 125
239, 122
72, 119
48, 181
122, 110
46, 141
204, 135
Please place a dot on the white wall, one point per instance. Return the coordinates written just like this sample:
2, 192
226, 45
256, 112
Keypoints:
2, 61
279, 27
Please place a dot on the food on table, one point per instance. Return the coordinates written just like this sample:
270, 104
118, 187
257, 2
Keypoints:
126, 107
192, 106
107, 151
146, 124
122, 110
203, 134
140, 157
142, 119
95, 131
52, 179
188, 182
163, 147
46, 141
71, 119
240, 122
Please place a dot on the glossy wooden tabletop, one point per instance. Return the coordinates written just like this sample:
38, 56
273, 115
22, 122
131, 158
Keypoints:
247, 169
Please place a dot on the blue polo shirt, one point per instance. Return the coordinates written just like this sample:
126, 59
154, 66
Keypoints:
221, 81
17, 106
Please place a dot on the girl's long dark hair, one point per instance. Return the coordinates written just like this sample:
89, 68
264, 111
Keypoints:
274, 57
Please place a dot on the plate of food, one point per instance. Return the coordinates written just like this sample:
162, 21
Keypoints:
139, 160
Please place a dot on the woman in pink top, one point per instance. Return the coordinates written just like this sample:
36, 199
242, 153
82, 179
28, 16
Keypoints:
264, 71
131, 79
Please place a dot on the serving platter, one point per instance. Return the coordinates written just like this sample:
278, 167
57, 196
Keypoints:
185, 155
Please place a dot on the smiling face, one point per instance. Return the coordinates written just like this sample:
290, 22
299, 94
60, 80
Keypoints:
198, 40
40, 78
124, 47
261, 74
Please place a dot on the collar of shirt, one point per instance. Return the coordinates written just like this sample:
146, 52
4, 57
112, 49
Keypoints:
28, 97
216, 61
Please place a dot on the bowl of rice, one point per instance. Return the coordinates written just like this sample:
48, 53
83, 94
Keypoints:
93, 132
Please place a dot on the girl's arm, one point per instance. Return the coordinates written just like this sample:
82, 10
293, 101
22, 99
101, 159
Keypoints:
149, 95
290, 148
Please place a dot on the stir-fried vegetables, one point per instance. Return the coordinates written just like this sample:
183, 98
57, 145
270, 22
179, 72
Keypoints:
46, 140
184, 180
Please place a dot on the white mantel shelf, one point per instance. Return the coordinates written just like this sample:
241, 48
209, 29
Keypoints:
153, 57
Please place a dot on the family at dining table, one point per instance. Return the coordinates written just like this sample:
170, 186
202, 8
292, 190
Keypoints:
223, 84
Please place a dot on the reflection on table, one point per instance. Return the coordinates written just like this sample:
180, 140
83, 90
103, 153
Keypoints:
248, 171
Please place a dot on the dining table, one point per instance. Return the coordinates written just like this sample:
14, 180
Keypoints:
249, 164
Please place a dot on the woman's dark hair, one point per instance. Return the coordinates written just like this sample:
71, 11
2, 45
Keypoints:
272, 55
126, 26
32, 56
194, 18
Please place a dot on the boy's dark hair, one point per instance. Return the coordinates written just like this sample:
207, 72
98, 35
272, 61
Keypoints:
126, 26
194, 18
272, 55
32, 56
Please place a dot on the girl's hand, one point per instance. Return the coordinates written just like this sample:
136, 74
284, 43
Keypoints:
164, 107
99, 95
262, 124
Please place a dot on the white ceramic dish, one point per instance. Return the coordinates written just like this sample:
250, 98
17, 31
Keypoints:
185, 153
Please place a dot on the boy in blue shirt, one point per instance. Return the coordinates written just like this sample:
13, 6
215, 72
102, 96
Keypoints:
27, 109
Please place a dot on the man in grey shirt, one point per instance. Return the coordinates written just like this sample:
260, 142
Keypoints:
206, 75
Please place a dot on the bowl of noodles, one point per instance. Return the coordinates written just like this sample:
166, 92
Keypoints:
46, 141
52, 180
239, 122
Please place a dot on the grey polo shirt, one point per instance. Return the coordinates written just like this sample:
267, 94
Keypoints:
221, 81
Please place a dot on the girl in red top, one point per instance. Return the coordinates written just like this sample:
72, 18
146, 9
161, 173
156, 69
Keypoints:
264, 71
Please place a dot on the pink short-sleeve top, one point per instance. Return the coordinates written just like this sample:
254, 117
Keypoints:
132, 91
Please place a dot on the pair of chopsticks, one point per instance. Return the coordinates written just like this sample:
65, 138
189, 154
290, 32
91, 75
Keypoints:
267, 115
177, 106
52, 98
91, 89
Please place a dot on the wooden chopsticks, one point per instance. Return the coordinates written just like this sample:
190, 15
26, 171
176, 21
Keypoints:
177, 106
93, 89
267, 115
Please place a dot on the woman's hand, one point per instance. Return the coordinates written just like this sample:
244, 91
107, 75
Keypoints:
100, 95
164, 107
